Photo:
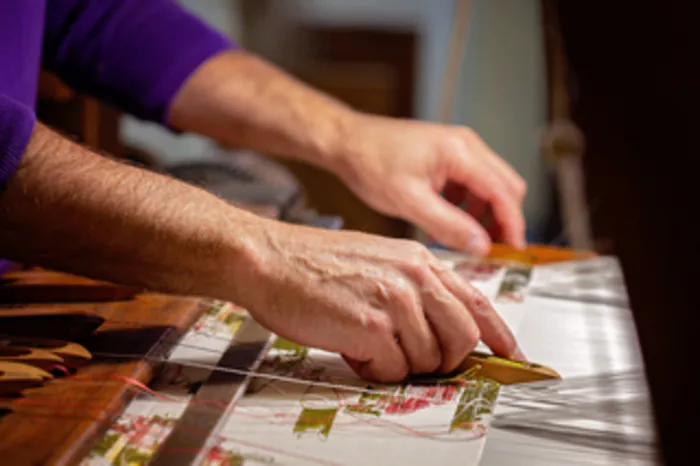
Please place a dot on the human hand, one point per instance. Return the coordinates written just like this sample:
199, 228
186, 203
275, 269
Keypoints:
399, 167
389, 306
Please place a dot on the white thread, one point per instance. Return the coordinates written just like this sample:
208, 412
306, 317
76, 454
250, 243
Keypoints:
262, 375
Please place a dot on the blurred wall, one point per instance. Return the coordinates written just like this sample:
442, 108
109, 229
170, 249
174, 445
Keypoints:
431, 18
222, 14
503, 93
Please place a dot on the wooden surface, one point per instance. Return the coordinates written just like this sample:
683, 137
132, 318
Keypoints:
59, 422
24, 287
78, 116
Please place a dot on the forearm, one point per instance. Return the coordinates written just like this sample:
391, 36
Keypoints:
70, 209
243, 101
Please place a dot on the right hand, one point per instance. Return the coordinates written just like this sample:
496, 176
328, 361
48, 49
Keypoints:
389, 306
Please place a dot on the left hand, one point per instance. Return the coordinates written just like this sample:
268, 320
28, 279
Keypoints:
400, 167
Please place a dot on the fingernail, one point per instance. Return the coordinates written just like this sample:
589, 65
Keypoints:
518, 355
478, 245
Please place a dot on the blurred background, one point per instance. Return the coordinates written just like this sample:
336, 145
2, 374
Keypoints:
492, 65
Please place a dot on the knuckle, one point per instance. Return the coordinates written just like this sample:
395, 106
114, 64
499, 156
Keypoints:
414, 248
461, 349
419, 271
479, 299
465, 338
404, 298
429, 363
423, 252
493, 187
417, 262
471, 339
379, 324
397, 374
479, 303
452, 144
468, 132
438, 267
400, 288
499, 196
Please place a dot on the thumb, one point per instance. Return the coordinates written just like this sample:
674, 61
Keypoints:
447, 223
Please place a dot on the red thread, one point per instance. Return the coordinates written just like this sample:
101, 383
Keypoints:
479, 429
60, 368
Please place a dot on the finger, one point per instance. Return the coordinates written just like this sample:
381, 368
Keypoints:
484, 215
387, 364
416, 337
507, 213
449, 224
494, 331
506, 210
481, 211
512, 180
485, 183
457, 331
369, 346
510, 218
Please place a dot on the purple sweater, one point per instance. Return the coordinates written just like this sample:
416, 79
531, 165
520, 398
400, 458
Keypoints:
134, 54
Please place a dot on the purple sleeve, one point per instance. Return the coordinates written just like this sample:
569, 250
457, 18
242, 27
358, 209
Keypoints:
134, 54
16, 125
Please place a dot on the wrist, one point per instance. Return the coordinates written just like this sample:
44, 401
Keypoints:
352, 156
240, 258
332, 137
